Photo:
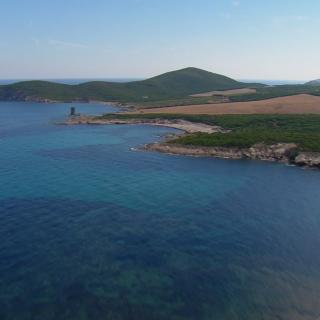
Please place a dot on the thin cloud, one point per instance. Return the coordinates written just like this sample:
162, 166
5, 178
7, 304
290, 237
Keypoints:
236, 3
59, 43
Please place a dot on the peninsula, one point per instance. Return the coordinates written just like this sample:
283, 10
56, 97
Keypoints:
293, 139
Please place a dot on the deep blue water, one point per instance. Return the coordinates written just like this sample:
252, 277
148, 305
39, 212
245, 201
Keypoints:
90, 229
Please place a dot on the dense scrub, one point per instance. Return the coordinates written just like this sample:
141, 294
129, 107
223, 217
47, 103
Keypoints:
275, 92
247, 138
171, 85
247, 130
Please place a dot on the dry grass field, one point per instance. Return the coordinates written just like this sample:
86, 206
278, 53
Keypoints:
297, 104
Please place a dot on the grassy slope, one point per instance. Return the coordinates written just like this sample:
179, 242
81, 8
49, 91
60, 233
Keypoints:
277, 91
171, 85
248, 129
172, 88
173, 102
313, 83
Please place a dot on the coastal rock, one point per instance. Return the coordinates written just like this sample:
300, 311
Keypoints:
310, 159
283, 152
186, 126
277, 152
195, 151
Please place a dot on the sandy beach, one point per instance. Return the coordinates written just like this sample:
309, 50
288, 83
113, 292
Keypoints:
186, 126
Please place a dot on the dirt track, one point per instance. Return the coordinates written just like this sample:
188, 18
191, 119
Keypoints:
302, 103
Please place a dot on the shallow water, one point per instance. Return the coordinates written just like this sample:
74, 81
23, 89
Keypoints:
92, 230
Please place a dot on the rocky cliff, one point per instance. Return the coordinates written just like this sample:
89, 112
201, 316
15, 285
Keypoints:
280, 152
310, 159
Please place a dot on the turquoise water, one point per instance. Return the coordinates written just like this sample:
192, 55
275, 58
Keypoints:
92, 230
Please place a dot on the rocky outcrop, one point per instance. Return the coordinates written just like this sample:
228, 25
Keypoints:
310, 159
220, 152
280, 152
38, 99
9, 95
284, 152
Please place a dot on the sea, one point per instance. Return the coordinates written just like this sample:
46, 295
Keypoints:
93, 228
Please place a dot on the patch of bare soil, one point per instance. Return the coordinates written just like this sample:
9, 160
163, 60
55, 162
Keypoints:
226, 93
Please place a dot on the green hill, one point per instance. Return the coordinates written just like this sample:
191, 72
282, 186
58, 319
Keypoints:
175, 84
192, 80
313, 83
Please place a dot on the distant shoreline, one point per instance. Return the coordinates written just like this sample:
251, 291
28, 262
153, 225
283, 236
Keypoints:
184, 87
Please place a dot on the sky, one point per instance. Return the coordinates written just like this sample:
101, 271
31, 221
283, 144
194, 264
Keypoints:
243, 39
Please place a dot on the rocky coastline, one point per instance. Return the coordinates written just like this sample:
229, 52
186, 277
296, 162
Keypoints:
185, 126
280, 152
24, 98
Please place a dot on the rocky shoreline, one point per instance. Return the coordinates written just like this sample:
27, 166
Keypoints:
280, 152
23, 98
186, 126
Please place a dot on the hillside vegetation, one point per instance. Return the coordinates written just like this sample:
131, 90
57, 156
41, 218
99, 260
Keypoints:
168, 89
246, 130
313, 83
171, 85
263, 93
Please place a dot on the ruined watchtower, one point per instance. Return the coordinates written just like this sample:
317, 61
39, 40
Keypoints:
72, 111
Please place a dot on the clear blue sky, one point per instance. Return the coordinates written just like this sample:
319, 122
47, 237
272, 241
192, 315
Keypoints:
251, 39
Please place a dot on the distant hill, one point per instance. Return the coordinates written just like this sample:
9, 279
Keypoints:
313, 83
173, 84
